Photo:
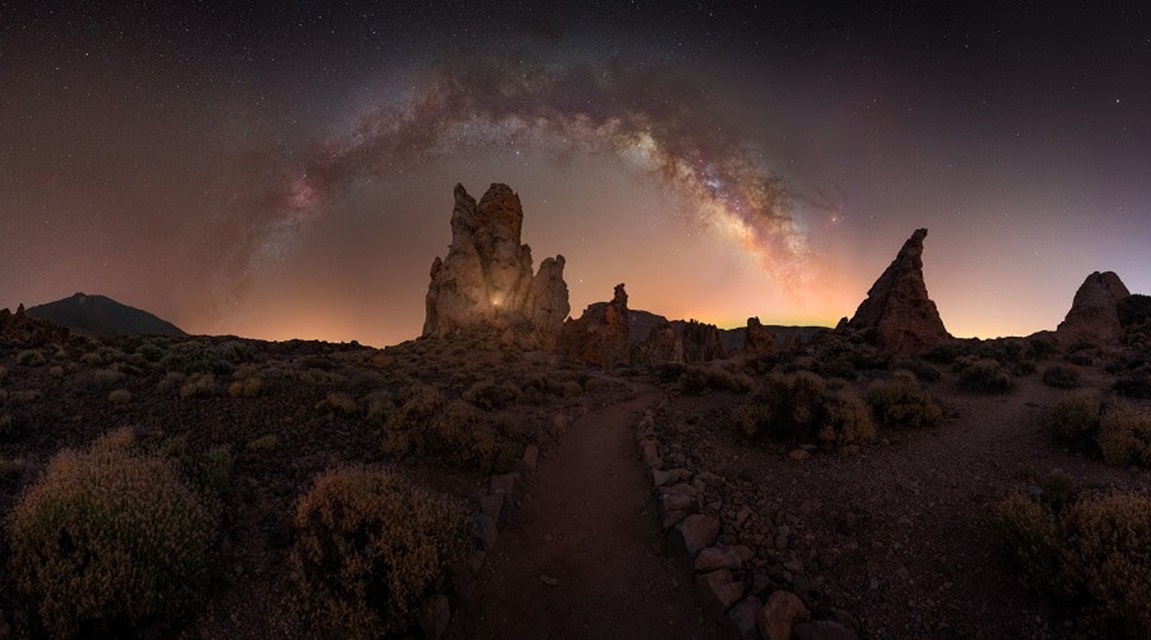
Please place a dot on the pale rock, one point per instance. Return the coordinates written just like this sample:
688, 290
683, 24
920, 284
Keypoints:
777, 619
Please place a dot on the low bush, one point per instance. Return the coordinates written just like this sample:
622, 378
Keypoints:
923, 370
31, 358
985, 376
340, 403
1125, 437
109, 541
371, 550
1092, 553
268, 442
800, 408
199, 385
105, 378
120, 396
902, 402
455, 432
246, 388
1062, 376
1135, 384
488, 395
1075, 419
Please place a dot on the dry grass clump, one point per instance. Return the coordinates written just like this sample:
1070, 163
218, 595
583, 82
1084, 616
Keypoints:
320, 377
697, 378
1062, 376
799, 408
120, 396
199, 385
109, 541
31, 358
456, 432
902, 402
340, 403
92, 358
246, 388
372, 549
105, 378
488, 395
985, 376
1118, 432
1090, 552
268, 442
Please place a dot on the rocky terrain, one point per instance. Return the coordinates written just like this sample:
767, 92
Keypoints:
519, 473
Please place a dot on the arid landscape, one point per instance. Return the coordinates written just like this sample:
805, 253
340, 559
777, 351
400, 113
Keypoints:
519, 471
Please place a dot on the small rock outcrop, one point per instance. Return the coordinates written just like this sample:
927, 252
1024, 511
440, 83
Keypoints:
1094, 315
758, 340
679, 341
898, 316
601, 335
486, 279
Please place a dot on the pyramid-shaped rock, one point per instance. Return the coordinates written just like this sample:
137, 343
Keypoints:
486, 279
1094, 315
898, 316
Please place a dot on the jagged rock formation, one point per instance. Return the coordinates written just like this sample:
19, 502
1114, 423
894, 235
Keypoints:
601, 335
19, 329
898, 316
486, 279
102, 315
1094, 315
758, 340
679, 341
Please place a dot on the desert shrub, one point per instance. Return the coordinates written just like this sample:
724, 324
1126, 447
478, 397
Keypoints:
903, 403
1135, 384
320, 377
800, 407
150, 351
194, 357
697, 378
3, 396
1062, 376
108, 541
947, 352
1032, 535
92, 358
105, 378
1075, 419
199, 385
56, 372
24, 396
1043, 345
3, 373
1125, 436
120, 396
372, 549
923, 370
268, 442
1081, 358
246, 388
378, 406
986, 376
340, 403
488, 395
7, 425
31, 358
213, 471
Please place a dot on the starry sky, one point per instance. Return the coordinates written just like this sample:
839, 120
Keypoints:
283, 170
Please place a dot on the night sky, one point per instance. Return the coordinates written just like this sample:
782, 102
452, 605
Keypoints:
287, 170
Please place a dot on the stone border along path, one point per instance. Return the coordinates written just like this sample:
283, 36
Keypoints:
725, 575
582, 558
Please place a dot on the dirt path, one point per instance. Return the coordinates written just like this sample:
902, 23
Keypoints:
588, 521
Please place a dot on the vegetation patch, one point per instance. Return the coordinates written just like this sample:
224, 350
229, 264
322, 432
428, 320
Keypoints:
371, 549
903, 403
801, 408
1116, 431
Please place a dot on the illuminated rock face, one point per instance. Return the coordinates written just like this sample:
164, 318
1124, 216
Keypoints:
898, 316
1094, 315
486, 279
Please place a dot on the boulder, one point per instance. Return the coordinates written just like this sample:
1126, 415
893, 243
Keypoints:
1094, 315
718, 590
601, 335
688, 538
486, 278
739, 623
777, 619
898, 316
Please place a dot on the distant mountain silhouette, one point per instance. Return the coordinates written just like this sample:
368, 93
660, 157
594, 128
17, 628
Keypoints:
102, 315
643, 321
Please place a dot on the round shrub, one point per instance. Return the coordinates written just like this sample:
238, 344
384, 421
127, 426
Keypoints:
902, 402
1075, 419
799, 407
372, 549
1110, 555
986, 376
108, 541
1125, 436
